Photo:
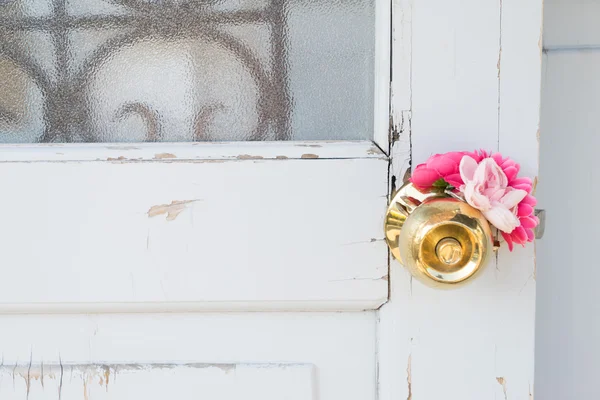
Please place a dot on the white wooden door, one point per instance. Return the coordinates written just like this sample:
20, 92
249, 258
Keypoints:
252, 269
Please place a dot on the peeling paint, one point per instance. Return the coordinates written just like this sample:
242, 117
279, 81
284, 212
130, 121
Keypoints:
502, 383
530, 392
163, 156
281, 158
120, 158
309, 156
374, 151
409, 377
171, 210
249, 157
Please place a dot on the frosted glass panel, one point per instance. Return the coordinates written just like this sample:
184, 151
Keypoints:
185, 70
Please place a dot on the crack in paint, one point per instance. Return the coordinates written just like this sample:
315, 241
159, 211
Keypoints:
409, 377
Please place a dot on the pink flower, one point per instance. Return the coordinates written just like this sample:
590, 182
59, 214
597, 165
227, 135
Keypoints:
492, 185
441, 166
486, 188
524, 211
528, 221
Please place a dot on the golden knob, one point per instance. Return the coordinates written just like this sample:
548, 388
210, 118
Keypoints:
443, 241
449, 251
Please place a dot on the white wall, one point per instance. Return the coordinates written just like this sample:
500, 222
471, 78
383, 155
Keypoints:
568, 270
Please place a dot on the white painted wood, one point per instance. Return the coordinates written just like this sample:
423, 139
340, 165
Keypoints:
567, 325
243, 235
340, 346
183, 152
571, 24
475, 69
157, 381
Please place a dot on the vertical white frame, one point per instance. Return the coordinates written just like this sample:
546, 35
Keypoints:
465, 76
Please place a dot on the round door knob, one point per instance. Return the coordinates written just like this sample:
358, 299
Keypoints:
444, 242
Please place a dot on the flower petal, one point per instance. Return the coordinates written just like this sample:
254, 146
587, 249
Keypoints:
530, 200
523, 179
475, 198
498, 158
443, 165
455, 180
456, 156
511, 173
524, 210
530, 235
523, 186
513, 197
509, 240
467, 168
528, 222
502, 218
519, 235
490, 173
510, 163
424, 177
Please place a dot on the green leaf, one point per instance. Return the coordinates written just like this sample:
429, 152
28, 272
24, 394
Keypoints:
441, 185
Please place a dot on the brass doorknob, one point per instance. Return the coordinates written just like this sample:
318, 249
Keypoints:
443, 241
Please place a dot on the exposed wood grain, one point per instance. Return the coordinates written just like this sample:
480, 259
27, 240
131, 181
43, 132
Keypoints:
157, 381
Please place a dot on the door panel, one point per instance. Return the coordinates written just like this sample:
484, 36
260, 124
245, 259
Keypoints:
246, 234
339, 348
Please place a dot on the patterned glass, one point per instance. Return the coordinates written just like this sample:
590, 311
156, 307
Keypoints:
185, 70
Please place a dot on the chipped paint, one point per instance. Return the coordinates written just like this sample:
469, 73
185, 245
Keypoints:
309, 156
502, 383
409, 377
249, 157
171, 210
163, 156
374, 150
308, 145
530, 392
120, 158
281, 157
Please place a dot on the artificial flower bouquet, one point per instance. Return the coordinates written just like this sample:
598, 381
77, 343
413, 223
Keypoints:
487, 182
